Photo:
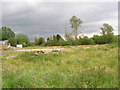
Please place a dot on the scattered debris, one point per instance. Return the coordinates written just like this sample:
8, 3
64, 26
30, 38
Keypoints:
38, 53
42, 51
7, 47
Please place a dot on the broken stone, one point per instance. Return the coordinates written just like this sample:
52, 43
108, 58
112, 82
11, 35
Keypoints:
39, 53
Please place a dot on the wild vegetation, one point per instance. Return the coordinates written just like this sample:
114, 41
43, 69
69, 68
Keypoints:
86, 66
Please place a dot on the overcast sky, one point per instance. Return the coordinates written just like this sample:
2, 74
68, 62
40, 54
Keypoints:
43, 19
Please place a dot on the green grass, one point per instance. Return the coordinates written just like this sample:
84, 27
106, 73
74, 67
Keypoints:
90, 66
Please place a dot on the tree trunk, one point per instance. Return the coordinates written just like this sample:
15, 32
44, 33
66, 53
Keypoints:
75, 34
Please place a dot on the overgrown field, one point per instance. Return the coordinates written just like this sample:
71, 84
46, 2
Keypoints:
91, 66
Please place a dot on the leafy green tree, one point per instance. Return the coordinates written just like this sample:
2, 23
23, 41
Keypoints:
12, 41
106, 29
107, 33
41, 41
48, 39
6, 33
59, 38
75, 24
22, 39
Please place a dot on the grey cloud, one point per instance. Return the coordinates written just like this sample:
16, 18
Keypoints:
45, 19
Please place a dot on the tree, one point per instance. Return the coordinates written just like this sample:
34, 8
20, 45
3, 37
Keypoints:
106, 29
107, 33
54, 40
75, 23
69, 37
12, 41
6, 33
49, 41
41, 41
59, 38
22, 39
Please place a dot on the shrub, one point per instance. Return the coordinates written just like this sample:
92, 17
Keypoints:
32, 43
85, 41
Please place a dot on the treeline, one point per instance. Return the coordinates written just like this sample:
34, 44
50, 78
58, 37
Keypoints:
56, 40
107, 36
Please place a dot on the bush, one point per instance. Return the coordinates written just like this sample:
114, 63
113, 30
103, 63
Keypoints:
115, 38
24, 45
104, 39
85, 41
32, 43
99, 39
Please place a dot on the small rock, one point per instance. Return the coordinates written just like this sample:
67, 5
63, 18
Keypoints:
55, 53
39, 53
